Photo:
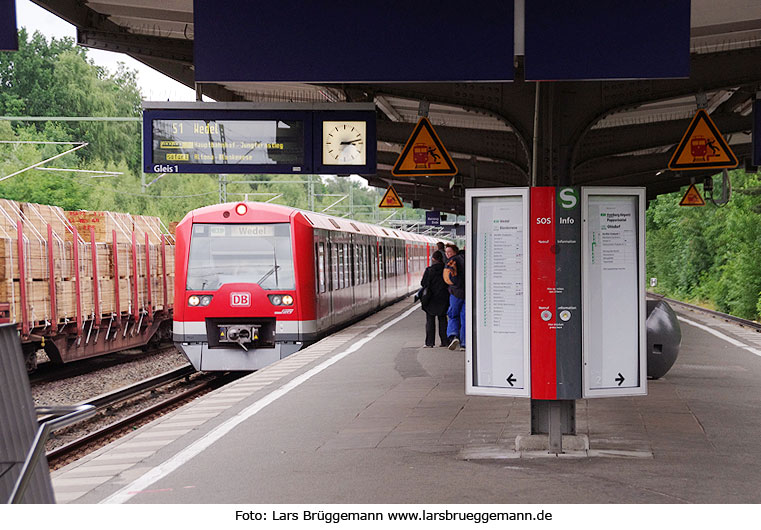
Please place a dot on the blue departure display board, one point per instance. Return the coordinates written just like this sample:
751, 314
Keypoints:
8, 31
601, 39
366, 41
236, 138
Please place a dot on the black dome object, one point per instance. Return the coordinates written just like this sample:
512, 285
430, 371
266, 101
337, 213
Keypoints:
664, 336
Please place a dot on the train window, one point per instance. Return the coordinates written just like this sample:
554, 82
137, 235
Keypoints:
344, 265
240, 253
333, 267
347, 270
362, 261
321, 265
382, 260
340, 266
369, 263
355, 279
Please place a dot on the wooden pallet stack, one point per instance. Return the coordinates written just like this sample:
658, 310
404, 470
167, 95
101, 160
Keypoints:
72, 256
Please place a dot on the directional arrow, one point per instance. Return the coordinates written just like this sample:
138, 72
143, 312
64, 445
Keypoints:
510, 379
620, 379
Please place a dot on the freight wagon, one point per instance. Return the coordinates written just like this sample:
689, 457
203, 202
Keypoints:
82, 284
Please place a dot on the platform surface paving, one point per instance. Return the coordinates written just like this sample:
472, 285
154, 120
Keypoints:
390, 423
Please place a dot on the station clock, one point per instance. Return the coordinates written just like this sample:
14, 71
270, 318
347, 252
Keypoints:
344, 143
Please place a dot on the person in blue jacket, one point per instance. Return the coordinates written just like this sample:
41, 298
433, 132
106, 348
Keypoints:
454, 276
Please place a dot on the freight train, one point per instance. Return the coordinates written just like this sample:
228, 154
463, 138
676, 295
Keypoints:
83, 284
256, 282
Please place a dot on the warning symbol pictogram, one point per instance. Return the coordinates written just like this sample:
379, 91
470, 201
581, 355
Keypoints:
424, 154
702, 147
692, 197
391, 199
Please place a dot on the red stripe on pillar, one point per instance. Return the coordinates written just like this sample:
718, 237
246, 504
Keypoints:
543, 335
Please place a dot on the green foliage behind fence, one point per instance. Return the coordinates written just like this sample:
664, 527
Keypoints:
709, 254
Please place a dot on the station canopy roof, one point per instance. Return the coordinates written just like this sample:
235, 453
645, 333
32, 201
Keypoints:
613, 132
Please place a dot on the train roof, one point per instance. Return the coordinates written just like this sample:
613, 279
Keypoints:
267, 212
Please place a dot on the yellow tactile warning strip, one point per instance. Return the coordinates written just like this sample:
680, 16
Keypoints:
123, 457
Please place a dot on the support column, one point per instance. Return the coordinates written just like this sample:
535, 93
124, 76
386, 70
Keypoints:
553, 417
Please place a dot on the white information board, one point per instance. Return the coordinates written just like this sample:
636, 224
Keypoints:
497, 298
613, 283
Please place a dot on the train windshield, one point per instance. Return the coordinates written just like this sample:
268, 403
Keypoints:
240, 253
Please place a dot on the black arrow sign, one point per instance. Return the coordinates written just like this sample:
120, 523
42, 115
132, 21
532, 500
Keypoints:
620, 379
510, 379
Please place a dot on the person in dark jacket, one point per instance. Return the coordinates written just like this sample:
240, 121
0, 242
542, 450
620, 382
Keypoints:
436, 303
454, 276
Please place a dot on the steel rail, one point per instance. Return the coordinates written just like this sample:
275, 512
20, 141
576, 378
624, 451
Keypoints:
729, 318
72, 447
48, 371
122, 394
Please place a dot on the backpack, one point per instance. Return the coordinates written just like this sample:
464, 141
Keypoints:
450, 272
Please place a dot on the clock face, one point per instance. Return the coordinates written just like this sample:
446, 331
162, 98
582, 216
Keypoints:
344, 143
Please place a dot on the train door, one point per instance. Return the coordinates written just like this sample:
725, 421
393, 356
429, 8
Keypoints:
331, 274
372, 257
382, 269
322, 279
408, 253
351, 263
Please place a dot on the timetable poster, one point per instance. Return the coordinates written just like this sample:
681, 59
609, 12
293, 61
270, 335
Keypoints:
499, 292
613, 334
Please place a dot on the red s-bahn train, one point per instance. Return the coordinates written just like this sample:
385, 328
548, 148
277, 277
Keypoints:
255, 282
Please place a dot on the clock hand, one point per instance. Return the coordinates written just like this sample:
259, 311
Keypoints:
350, 142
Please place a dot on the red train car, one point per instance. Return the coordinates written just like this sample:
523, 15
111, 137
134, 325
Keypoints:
255, 282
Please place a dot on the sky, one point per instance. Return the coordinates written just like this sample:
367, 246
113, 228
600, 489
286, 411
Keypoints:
153, 85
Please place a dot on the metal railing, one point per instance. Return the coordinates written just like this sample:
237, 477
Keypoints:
65, 417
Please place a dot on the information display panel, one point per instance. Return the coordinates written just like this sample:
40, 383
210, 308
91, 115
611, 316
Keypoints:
259, 142
613, 279
296, 138
497, 298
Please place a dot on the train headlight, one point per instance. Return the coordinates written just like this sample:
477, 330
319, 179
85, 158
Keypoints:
287, 300
276, 299
194, 301
241, 209
205, 300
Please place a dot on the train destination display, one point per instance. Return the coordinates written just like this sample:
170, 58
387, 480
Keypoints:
260, 142
613, 257
499, 298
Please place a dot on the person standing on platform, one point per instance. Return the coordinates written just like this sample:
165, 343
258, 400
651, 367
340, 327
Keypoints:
441, 247
454, 276
435, 301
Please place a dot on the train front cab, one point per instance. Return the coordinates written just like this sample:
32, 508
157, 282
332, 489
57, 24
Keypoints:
237, 302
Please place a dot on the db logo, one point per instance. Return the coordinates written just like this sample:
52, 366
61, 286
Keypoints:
240, 299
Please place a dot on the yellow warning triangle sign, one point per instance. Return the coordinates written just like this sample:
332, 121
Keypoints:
424, 154
391, 199
692, 197
702, 147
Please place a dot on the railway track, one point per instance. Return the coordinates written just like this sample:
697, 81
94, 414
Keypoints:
751, 324
48, 371
87, 437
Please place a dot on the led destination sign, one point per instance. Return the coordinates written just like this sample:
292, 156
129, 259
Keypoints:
260, 142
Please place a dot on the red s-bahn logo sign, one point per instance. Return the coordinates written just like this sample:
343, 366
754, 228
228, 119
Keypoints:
240, 299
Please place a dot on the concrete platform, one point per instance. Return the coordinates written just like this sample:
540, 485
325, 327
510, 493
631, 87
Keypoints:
370, 416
